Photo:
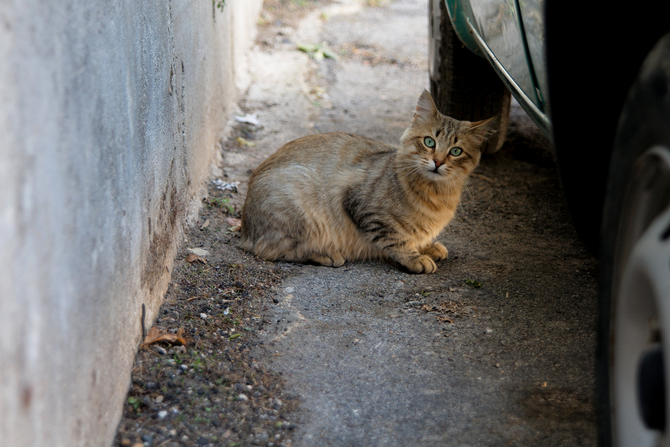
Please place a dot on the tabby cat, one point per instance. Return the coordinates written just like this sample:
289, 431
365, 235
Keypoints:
334, 197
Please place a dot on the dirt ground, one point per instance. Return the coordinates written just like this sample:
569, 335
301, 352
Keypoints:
495, 348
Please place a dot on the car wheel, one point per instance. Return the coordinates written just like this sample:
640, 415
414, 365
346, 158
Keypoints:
635, 266
463, 84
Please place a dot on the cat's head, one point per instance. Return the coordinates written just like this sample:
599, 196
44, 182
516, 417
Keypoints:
441, 148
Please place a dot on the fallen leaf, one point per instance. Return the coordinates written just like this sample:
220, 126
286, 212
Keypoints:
318, 51
234, 336
156, 335
444, 319
191, 258
205, 225
426, 307
246, 143
235, 224
307, 47
473, 283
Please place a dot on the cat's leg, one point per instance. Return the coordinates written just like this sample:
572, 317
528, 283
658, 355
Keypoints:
398, 248
291, 249
436, 251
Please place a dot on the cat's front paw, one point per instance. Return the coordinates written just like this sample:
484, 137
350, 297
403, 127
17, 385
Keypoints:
421, 264
333, 260
436, 251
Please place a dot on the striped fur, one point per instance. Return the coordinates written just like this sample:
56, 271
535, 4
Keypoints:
331, 198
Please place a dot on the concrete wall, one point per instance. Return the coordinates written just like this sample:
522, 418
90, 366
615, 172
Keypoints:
110, 117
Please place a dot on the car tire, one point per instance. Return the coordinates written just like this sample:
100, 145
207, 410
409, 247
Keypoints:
634, 326
463, 84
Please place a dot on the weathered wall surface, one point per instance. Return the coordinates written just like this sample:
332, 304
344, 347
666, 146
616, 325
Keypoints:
110, 116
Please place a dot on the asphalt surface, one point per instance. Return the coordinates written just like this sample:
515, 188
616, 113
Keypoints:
495, 348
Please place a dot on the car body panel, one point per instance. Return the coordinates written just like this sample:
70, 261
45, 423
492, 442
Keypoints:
532, 15
494, 29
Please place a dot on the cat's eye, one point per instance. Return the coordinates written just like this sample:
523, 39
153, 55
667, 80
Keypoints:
429, 142
456, 151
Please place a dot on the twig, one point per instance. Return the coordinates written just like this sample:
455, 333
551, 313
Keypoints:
144, 331
483, 177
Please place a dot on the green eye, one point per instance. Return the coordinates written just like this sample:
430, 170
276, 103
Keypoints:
456, 151
429, 142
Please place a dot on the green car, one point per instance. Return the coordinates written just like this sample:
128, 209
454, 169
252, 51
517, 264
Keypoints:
595, 78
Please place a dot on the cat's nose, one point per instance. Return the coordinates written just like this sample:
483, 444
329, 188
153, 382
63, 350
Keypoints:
438, 163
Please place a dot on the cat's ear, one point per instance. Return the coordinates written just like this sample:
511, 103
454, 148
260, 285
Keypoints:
483, 130
425, 112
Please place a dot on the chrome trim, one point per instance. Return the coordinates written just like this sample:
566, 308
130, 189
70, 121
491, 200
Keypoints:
537, 115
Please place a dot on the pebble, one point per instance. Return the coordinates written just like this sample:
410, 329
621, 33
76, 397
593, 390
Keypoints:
261, 438
148, 439
203, 316
162, 414
199, 252
183, 367
161, 350
159, 399
242, 397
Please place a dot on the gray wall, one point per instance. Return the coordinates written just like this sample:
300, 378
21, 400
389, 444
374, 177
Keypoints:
110, 117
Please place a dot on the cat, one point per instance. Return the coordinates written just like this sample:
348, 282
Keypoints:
335, 197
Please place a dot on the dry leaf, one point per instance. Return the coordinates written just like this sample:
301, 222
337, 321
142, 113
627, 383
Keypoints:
156, 335
235, 224
444, 319
243, 142
195, 258
205, 225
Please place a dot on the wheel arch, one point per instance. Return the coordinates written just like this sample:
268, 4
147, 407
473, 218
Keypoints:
459, 13
602, 50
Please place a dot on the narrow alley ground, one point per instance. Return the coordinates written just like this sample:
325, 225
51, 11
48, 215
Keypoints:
495, 348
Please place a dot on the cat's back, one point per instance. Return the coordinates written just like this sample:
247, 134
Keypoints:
326, 154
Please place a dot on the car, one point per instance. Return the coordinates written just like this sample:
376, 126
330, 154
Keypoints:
595, 78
